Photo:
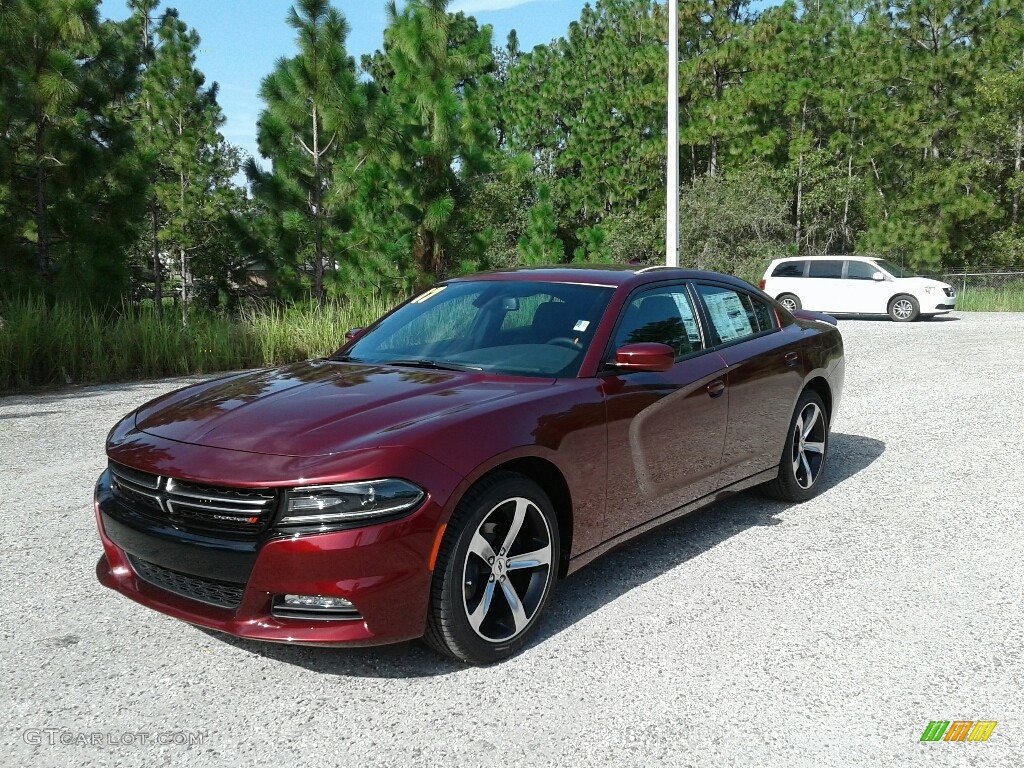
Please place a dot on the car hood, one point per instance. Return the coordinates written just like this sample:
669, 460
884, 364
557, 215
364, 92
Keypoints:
320, 407
923, 282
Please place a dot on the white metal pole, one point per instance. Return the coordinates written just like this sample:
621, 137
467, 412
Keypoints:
672, 161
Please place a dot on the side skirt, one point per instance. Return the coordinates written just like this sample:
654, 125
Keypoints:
592, 554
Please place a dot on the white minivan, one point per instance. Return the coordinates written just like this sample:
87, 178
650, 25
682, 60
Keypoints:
855, 285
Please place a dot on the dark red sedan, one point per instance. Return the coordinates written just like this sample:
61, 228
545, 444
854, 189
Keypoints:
436, 475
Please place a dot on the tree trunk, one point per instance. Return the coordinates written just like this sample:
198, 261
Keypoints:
318, 266
800, 176
846, 202
185, 273
1018, 141
42, 232
158, 288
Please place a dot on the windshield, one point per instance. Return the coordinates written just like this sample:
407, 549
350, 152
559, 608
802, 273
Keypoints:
892, 269
520, 328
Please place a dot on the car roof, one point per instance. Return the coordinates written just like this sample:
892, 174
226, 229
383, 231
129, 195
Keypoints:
612, 275
834, 257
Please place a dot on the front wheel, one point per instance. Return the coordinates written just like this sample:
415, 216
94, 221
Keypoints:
803, 458
495, 570
904, 308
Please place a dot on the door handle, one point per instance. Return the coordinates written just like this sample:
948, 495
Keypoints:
792, 358
716, 388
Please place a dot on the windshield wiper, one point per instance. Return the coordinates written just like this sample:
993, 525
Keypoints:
433, 364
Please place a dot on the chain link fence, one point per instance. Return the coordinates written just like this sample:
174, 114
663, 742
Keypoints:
987, 288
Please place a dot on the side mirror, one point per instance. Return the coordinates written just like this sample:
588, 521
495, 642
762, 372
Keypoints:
877, 277
645, 356
353, 333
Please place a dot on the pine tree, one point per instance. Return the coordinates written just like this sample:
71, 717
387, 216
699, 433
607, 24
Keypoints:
541, 245
316, 110
440, 133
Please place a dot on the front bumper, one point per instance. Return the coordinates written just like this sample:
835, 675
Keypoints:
940, 303
383, 569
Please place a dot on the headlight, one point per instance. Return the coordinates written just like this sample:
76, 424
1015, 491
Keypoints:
329, 505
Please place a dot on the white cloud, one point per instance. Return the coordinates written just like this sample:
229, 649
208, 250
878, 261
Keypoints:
475, 6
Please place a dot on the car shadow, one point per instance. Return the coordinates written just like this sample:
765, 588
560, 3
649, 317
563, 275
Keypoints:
885, 319
610, 577
32, 415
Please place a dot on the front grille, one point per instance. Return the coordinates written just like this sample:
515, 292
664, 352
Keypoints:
192, 506
218, 593
949, 291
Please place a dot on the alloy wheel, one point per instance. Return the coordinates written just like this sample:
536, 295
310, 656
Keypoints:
808, 445
903, 308
506, 571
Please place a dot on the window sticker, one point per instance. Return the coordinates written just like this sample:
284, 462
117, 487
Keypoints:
728, 315
581, 326
682, 301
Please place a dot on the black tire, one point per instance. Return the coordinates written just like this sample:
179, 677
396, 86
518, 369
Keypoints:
904, 308
799, 464
471, 615
790, 301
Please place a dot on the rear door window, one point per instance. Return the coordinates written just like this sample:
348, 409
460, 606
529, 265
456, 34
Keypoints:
735, 315
831, 269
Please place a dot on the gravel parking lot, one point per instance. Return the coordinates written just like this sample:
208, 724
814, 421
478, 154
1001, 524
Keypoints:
755, 633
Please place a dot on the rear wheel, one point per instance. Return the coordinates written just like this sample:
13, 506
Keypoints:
806, 452
790, 302
904, 308
495, 570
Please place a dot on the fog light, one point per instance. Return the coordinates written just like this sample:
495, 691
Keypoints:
314, 607
318, 602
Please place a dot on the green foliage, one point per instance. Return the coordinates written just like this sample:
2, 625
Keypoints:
731, 223
540, 245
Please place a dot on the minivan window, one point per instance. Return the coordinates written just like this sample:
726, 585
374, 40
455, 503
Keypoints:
859, 270
833, 269
892, 269
790, 269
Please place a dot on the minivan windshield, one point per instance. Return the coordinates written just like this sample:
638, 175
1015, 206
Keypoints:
892, 269
510, 327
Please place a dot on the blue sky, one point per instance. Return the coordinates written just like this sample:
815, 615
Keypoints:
241, 40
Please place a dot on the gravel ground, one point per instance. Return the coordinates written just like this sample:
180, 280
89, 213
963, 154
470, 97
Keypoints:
752, 634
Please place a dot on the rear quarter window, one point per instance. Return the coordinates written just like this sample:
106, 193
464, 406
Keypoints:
789, 269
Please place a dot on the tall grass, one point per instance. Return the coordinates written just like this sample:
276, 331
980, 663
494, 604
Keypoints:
1009, 298
73, 343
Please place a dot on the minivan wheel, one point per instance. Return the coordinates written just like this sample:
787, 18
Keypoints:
806, 452
904, 308
495, 570
790, 302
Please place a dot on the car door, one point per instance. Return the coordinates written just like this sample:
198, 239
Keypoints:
665, 430
823, 291
765, 374
864, 294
